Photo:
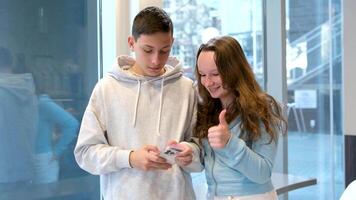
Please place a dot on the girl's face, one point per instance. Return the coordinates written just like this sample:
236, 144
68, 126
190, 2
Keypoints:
210, 77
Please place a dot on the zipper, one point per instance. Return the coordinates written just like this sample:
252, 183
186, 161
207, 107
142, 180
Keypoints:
212, 172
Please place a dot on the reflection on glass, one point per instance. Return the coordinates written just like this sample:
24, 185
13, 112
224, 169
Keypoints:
52, 44
18, 122
57, 128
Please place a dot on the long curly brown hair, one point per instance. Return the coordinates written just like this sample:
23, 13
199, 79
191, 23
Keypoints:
252, 104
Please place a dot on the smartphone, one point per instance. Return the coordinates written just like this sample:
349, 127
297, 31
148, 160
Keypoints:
170, 153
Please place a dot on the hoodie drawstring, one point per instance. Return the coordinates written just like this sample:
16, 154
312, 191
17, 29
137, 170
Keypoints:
160, 108
136, 104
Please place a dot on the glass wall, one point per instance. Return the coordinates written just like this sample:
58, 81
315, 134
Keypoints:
313, 45
48, 67
314, 96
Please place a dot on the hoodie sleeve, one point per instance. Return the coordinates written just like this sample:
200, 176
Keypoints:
92, 151
256, 163
196, 165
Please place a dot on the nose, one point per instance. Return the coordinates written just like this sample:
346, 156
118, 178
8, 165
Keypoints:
155, 59
208, 81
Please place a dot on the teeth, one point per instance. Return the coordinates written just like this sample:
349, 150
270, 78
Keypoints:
213, 89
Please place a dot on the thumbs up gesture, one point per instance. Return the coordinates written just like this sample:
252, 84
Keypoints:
219, 135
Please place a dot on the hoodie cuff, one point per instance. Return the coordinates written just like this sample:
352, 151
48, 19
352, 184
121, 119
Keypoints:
196, 164
123, 159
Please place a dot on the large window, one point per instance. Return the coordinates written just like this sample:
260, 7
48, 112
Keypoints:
315, 140
197, 21
48, 67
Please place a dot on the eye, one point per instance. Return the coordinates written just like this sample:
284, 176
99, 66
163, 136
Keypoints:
147, 51
164, 52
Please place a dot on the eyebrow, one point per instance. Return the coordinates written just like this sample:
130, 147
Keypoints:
213, 71
149, 46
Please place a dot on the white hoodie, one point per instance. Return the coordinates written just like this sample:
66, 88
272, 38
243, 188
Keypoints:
126, 112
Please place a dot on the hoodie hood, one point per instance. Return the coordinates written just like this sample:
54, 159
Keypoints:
19, 85
121, 72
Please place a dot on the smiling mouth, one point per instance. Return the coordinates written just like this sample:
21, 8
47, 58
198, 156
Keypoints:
154, 69
214, 89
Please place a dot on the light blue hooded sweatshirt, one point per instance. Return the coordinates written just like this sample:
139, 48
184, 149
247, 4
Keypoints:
126, 112
240, 169
50, 116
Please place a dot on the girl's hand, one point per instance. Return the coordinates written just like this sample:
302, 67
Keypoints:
219, 135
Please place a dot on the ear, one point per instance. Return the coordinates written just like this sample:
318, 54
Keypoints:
131, 42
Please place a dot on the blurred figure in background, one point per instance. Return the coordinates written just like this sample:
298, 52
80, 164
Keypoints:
57, 128
18, 122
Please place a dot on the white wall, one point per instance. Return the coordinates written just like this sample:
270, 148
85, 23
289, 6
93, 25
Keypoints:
123, 26
145, 3
349, 67
108, 32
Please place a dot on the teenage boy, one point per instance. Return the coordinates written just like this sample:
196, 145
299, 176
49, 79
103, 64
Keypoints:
134, 112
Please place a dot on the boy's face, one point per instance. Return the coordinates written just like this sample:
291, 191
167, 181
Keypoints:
152, 52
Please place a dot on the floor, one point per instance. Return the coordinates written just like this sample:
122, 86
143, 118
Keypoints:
310, 154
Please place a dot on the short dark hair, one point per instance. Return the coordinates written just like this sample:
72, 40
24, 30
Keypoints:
5, 57
151, 20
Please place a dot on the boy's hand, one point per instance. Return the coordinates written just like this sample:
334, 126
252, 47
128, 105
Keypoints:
185, 157
147, 158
